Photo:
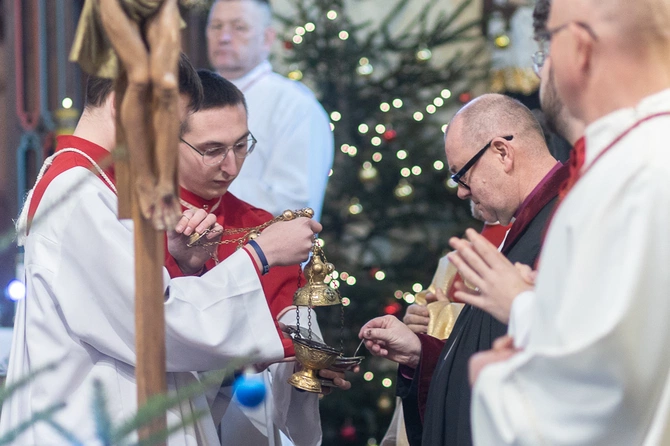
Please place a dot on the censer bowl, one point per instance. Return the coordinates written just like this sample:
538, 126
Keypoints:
313, 356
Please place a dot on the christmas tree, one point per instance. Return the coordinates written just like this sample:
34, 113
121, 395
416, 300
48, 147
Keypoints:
390, 207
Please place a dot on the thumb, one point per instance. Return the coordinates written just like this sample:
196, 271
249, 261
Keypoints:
430, 297
441, 295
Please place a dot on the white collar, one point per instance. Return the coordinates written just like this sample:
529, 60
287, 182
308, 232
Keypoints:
601, 133
244, 82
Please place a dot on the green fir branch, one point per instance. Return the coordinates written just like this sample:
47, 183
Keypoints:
69, 436
157, 405
103, 422
160, 437
37, 417
9, 389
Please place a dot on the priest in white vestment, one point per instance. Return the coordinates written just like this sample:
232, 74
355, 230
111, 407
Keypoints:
595, 367
79, 308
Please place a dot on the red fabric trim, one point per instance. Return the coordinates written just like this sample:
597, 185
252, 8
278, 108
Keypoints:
431, 348
67, 161
494, 233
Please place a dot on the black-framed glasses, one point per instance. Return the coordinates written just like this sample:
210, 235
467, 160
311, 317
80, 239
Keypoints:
456, 178
215, 155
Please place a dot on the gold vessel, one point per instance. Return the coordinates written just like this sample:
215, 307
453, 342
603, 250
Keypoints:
316, 293
313, 356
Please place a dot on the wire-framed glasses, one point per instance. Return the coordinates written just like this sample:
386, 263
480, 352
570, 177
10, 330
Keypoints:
214, 156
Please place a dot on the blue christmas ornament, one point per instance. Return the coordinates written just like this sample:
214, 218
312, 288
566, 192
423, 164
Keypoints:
249, 390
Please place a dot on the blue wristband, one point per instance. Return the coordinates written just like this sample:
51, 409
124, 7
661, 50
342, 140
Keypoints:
261, 256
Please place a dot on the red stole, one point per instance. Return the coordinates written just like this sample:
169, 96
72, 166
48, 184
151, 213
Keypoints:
66, 161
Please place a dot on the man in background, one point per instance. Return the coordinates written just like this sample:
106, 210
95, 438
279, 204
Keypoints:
294, 154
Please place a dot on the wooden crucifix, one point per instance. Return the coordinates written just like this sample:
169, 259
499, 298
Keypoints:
137, 42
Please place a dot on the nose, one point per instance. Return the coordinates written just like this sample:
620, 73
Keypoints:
463, 192
229, 165
225, 36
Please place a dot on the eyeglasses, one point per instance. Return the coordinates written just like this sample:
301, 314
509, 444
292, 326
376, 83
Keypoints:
456, 178
544, 38
215, 155
539, 58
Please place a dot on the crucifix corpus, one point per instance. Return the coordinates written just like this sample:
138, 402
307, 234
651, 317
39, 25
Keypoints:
137, 42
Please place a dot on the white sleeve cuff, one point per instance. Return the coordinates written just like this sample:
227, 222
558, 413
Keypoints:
520, 318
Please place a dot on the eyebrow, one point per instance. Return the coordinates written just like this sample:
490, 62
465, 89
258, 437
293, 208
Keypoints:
211, 144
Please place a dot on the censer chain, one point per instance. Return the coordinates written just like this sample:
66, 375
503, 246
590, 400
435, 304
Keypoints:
284, 216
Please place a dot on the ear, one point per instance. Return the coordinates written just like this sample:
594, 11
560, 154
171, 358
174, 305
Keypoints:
505, 152
269, 36
111, 103
583, 50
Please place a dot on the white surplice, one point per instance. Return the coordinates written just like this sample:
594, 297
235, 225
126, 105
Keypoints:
289, 167
287, 416
79, 314
595, 369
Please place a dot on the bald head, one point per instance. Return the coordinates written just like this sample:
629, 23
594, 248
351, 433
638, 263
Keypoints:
633, 23
492, 115
498, 148
609, 54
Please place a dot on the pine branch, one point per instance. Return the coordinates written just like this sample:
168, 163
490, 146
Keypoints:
40, 416
160, 437
7, 391
69, 436
158, 404
103, 422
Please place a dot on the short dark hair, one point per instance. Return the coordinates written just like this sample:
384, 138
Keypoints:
219, 92
540, 16
98, 88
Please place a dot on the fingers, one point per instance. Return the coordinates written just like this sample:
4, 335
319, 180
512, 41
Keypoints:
195, 221
486, 250
430, 297
377, 322
215, 231
474, 260
416, 310
468, 297
467, 273
526, 272
314, 225
337, 377
503, 343
418, 323
183, 221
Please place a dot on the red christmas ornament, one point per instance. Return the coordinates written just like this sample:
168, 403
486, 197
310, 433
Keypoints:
464, 97
393, 308
389, 135
348, 433
288, 44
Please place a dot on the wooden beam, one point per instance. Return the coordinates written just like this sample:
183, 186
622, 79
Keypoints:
149, 315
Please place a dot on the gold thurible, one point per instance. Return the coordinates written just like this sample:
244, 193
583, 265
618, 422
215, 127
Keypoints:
313, 355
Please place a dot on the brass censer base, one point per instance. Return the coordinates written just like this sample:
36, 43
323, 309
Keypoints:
313, 356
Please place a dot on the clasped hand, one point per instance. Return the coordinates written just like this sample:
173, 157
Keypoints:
192, 260
495, 279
